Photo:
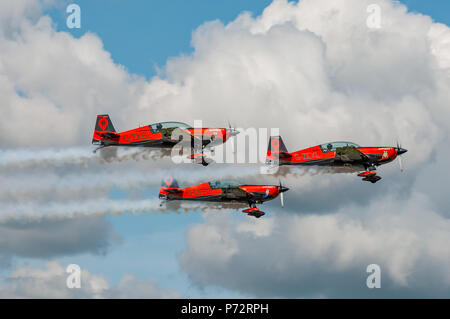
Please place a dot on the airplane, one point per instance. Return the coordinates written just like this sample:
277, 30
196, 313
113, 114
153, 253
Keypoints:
163, 135
336, 154
226, 192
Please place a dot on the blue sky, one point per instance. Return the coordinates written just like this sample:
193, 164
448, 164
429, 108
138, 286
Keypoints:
437, 9
141, 37
144, 38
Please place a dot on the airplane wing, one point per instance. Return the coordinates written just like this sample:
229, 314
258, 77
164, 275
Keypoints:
247, 193
186, 136
350, 154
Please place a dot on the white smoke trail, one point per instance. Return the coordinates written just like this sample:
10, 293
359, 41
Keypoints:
31, 186
99, 207
31, 158
50, 186
299, 171
48, 195
21, 158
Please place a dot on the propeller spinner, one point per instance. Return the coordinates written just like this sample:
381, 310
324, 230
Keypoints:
231, 130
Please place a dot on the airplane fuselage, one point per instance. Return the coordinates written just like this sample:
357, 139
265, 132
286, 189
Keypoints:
206, 192
145, 136
317, 156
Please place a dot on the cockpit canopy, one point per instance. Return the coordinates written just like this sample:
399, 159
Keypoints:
332, 146
166, 125
223, 184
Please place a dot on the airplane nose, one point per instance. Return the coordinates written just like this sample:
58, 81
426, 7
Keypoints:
400, 151
283, 189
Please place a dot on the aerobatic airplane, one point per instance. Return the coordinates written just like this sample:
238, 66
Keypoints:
240, 195
163, 135
336, 154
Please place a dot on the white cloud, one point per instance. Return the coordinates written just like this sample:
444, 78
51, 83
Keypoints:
324, 75
312, 68
53, 85
50, 282
133, 287
404, 238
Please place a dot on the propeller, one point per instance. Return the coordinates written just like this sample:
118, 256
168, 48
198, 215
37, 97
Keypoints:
282, 189
400, 151
231, 130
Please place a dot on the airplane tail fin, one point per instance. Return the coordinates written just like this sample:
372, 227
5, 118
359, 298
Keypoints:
103, 129
169, 182
276, 148
168, 186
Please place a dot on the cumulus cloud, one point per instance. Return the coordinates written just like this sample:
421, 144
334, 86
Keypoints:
324, 255
46, 72
315, 70
315, 63
47, 238
50, 282
362, 83
312, 68
133, 287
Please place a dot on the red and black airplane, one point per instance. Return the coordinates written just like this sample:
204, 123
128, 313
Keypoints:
163, 135
240, 195
336, 154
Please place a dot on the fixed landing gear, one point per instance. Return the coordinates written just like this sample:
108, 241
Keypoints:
370, 175
373, 179
200, 158
253, 210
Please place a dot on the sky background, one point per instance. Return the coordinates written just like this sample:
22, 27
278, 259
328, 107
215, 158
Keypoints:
158, 46
168, 26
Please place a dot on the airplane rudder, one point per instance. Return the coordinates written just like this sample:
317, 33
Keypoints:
104, 123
